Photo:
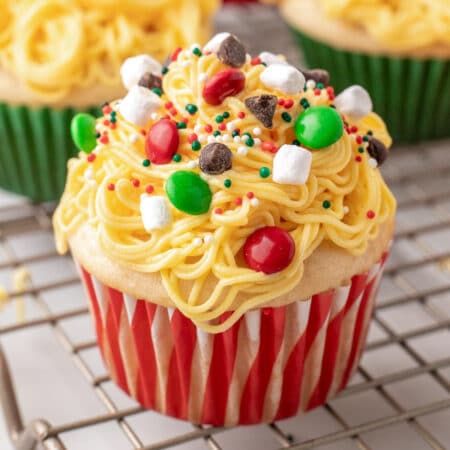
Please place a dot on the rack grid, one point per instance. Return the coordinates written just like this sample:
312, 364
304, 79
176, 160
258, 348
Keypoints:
400, 397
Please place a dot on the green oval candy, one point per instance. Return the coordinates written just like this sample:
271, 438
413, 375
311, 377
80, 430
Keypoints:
319, 127
82, 129
188, 192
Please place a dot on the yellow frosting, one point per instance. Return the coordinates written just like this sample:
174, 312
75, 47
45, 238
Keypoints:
397, 24
55, 46
175, 251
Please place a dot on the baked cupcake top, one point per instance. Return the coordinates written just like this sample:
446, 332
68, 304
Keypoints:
232, 169
54, 48
399, 24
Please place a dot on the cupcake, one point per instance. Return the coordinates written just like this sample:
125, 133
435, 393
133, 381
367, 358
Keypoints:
59, 57
399, 51
230, 234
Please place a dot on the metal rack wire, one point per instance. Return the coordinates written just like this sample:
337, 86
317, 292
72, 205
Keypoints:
417, 279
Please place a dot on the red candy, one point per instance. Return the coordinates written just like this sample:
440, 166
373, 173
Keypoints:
162, 142
269, 250
222, 85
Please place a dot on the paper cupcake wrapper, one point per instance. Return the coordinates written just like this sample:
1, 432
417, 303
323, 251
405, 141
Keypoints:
411, 95
272, 364
35, 148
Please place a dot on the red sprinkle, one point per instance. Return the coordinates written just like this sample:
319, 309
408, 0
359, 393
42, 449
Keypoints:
330, 90
359, 140
358, 159
289, 103
317, 91
175, 54
144, 132
106, 109
166, 116
238, 201
173, 111
192, 137
208, 128
91, 157
168, 105
222, 126
370, 214
136, 182
113, 126
353, 129
106, 122
250, 194
111, 187
269, 146
104, 139
149, 189
241, 114
218, 211
185, 120
256, 61
281, 101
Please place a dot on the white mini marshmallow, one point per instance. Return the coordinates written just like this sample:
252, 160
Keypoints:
270, 58
155, 212
133, 68
283, 78
291, 165
138, 105
354, 102
216, 41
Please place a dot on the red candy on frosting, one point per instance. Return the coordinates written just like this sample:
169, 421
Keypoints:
222, 85
162, 141
269, 250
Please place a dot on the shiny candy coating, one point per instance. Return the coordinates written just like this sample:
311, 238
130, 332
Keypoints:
188, 192
82, 129
222, 85
319, 127
162, 141
269, 250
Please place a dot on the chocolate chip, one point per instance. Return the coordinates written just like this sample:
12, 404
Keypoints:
317, 75
215, 159
377, 150
263, 107
232, 52
150, 81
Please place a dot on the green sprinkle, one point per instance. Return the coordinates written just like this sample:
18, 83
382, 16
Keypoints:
286, 117
196, 146
370, 133
225, 115
216, 133
366, 138
197, 51
305, 89
264, 64
164, 70
295, 142
146, 162
264, 172
219, 119
177, 157
113, 113
247, 134
361, 149
319, 86
191, 109
157, 91
227, 183
326, 204
113, 119
235, 133
181, 125
250, 142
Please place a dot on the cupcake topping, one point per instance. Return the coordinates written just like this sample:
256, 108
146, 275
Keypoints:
215, 159
227, 83
377, 150
134, 68
263, 107
83, 132
317, 75
162, 141
231, 52
292, 165
283, 78
150, 81
354, 102
155, 212
138, 105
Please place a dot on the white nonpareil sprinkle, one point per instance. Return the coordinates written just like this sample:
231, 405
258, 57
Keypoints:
211, 139
133, 68
257, 142
185, 63
292, 165
198, 128
310, 84
203, 77
138, 105
197, 242
242, 150
231, 126
283, 78
346, 209
214, 44
201, 138
226, 138
354, 102
155, 212
88, 174
237, 139
134, 138
373, 163
192, 164
209, 238
254, 201
257, 131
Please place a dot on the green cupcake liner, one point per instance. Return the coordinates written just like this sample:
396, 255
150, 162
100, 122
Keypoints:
34, 150
411, 95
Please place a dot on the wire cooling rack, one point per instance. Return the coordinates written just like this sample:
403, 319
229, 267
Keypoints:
399, 399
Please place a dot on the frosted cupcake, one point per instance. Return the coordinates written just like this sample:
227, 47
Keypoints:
399, 51
59, 57
242, 219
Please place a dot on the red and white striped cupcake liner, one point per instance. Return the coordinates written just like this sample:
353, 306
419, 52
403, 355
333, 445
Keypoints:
272, 364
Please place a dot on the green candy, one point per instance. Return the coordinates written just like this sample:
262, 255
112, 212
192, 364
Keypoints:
82, 129
188, 192
319, 127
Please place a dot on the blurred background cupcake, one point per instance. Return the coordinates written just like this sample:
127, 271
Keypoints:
58, 58
399, 50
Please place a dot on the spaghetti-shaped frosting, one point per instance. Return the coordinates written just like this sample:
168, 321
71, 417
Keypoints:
397, 24
199, 257
55, 46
